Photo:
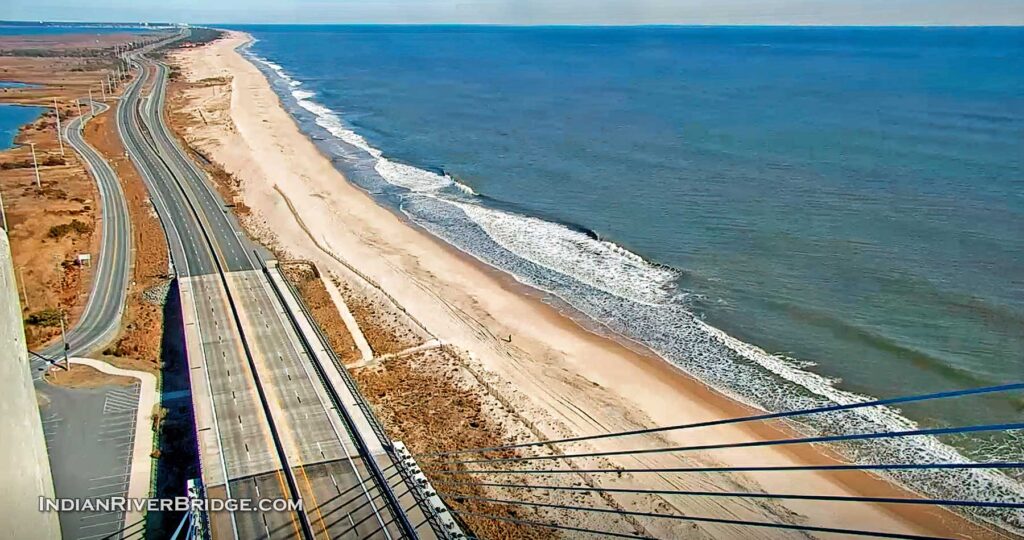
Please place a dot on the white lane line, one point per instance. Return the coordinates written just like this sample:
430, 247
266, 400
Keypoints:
101, 535
101, 524
98, 515
109, 476
105, 486
106, 495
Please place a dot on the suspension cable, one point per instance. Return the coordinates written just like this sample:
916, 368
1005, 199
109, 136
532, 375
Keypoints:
751, 444
699, 519
750, 495
781, 468
757, 417
357, 496
518, 521
392, 520
368, 516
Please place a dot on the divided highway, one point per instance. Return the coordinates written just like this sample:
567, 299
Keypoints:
269, 418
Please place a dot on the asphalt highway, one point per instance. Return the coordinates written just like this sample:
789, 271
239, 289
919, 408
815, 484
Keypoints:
102, 315
273, 427
88, 441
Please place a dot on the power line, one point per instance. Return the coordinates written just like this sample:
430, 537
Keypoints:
786, 468
751, 444
680, 517
758, 417
753, 495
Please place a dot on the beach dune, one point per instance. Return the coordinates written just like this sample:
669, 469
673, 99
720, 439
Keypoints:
560, 378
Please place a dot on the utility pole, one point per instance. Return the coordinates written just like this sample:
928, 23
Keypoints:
60, 137
24, 290
64, 340
35, 163
103, 91
92, 105
78, 103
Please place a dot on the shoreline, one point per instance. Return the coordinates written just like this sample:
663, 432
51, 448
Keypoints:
642, 386
35, 82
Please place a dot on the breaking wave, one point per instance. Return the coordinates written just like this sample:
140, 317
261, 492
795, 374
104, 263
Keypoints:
639, 299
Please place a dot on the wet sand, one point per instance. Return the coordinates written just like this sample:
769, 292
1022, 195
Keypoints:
561, 379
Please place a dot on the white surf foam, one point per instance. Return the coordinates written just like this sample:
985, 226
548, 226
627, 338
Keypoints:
609, 268
464, 188
602, 265
398, 174
409, 177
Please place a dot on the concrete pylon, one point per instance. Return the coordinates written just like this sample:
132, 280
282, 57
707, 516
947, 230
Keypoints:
25, 471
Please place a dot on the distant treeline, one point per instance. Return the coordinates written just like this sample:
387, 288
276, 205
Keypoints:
199, 36
59, 24
49, 52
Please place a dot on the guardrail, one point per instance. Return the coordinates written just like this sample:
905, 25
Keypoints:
407, 476
353, 387
233, 308
350, 425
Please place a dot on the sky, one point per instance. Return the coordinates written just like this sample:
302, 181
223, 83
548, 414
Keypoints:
613, 12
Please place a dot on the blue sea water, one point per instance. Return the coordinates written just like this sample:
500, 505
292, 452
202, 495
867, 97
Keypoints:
12, 117
794, 215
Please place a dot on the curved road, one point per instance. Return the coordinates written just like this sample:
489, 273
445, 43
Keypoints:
101, 319
90, 432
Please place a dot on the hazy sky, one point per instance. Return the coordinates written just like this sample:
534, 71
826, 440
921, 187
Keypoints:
927, 12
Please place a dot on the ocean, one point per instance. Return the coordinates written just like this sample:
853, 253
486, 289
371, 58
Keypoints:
796, 216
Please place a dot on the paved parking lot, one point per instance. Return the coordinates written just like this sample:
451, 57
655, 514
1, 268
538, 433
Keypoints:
89, 434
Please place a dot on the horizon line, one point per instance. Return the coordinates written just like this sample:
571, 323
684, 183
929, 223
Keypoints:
522, 25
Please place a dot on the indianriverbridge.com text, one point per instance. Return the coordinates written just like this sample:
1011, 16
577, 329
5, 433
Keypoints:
174, 504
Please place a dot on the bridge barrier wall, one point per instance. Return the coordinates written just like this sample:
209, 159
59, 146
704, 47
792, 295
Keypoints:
25, 474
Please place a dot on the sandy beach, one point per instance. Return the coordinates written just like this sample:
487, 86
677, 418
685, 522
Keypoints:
559, 379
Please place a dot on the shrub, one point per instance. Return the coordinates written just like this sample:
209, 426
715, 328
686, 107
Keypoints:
159, 414
46, 317
62, 230
8, 165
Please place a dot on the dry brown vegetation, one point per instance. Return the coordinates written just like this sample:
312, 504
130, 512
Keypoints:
306, 279
50, 225
79, 376
142, 327
181, 116
385, 329
428, 400
421, 402
434, 400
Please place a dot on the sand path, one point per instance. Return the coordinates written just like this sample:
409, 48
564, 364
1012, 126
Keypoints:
561, 379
